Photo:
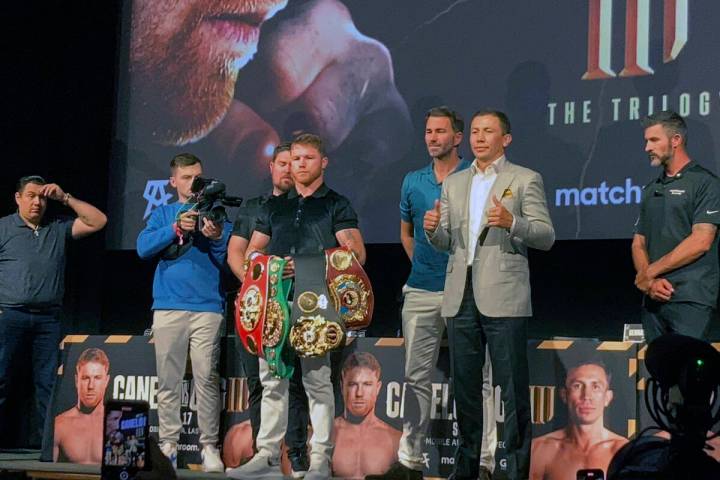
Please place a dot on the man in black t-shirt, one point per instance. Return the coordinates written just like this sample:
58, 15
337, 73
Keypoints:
296, 437
675, 247
308, 219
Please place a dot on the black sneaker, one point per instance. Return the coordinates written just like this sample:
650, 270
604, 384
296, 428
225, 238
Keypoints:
300, 465
397, 471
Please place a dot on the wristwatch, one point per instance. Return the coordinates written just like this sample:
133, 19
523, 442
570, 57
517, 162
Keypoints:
66, 198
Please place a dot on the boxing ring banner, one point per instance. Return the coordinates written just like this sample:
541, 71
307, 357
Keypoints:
131, 376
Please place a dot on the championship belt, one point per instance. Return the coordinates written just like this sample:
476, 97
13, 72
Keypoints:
316, 326
262, 314
349, 287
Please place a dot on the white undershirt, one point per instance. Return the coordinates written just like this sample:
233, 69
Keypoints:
482, 183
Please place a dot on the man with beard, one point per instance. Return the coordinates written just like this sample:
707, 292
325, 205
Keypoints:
187, 310
78, 434
190, 82
675, 248
33, 249
584, 443
308, 219
364, 444
423, 324
296, 437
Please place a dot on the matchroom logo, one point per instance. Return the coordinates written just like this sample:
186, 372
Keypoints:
637, 33
601, 195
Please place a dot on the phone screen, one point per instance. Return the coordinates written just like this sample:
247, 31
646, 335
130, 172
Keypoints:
124, 440
590, 474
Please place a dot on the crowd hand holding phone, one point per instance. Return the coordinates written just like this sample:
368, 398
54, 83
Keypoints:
129, 452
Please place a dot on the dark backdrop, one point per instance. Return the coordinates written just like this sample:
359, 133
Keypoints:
59, 79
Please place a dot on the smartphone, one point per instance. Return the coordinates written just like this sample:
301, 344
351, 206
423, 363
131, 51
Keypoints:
125, 435
591, 474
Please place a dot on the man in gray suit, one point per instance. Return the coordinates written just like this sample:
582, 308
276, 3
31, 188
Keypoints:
487, 217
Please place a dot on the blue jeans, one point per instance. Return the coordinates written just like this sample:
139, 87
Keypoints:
37, 336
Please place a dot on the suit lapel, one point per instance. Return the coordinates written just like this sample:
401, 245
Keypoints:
465, 195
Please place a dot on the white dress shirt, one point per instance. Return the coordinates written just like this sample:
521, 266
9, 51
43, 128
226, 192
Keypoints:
482, 183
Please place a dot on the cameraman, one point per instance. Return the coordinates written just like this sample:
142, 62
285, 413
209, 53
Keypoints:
187, 310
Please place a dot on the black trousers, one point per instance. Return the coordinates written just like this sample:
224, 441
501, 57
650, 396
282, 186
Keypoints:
506, 338
298, 413
686, 318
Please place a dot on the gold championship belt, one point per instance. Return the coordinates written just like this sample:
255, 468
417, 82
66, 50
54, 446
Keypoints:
316, 326
349, 288
262, 313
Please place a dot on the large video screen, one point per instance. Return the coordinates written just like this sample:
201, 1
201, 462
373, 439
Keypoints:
227, 80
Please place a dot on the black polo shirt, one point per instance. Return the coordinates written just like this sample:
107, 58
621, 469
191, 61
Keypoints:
247, 216
32, 262
299, 225
669, 209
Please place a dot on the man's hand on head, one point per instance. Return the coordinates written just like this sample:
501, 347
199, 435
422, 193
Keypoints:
53, 192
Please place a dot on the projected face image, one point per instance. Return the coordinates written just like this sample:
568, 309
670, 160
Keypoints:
587, 394
91, 381
360, 387
185, 56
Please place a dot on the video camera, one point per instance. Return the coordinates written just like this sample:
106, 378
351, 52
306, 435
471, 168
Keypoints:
210, 200
683, 398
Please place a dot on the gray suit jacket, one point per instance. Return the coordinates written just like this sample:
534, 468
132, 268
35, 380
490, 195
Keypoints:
500, 274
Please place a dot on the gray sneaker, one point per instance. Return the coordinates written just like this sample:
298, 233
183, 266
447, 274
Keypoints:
258, 466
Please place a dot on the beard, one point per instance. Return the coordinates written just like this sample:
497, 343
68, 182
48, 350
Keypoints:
660, 160
181, 87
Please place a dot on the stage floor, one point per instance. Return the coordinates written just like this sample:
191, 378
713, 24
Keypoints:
33, 468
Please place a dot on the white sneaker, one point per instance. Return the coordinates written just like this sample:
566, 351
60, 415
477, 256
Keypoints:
170, 451
320, 471
211, 461
258, 466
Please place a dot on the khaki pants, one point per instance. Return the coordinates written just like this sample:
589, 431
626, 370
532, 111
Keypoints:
423, 328
274, 410
173, 332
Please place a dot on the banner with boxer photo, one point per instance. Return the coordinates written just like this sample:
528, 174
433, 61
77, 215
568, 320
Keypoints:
570, 383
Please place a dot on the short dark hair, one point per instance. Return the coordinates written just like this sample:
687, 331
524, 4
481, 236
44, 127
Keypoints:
456, 120
93, 355
283, 147
589, 361
361, 360
504, 120
184, 160
34, 179
671, 122
312, 140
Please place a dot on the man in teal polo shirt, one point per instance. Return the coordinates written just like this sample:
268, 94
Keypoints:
675, 247
423, 326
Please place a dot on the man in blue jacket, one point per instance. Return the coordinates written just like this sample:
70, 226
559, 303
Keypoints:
187, 309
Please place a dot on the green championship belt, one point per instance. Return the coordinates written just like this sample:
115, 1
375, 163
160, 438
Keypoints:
316, 326
262, 316
280, 358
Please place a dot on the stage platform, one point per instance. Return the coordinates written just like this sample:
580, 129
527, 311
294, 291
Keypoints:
13, 465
